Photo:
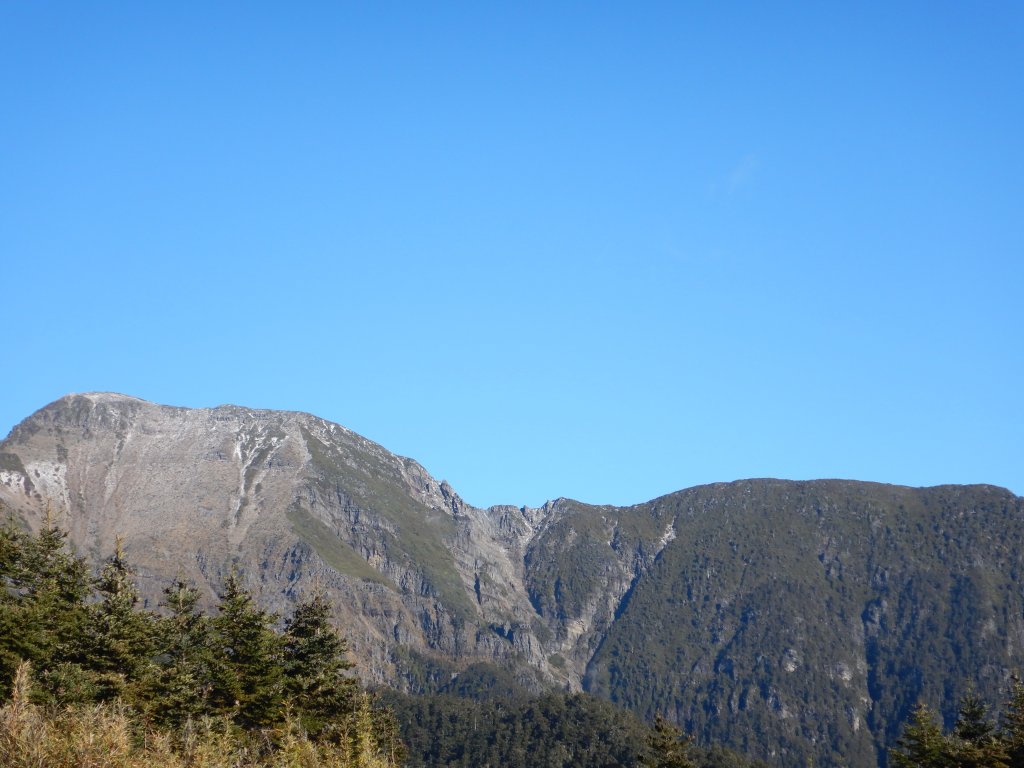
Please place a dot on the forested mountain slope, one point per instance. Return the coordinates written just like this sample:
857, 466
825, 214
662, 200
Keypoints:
784, 614
791, 619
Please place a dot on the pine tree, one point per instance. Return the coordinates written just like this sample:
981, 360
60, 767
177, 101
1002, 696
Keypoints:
12, 629
972, 723
10, 555
1013, 727
119, 638
668, 747
387, 734
922, 744
179, 688
42, 612
974, 742
316, 666
248, 674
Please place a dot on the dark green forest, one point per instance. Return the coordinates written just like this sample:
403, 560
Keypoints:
805, 621
552, 731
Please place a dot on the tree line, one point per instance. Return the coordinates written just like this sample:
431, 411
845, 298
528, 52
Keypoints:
85, 669
974, 741
75, 648
89, 677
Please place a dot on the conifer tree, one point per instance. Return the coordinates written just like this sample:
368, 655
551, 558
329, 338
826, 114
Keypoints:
974, 742
12, 635
316, 666
173, 671
180, 688
119, 638
668, 747
972, 723
387, 733
248, 674
1013, 727
922, 744
10, 556
42, 614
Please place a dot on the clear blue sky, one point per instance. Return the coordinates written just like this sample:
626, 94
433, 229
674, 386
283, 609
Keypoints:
596, 250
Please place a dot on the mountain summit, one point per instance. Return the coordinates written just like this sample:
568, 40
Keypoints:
791, 619
291, 501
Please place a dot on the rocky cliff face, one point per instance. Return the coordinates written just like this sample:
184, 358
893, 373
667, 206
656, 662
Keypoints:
295, 502
794, 620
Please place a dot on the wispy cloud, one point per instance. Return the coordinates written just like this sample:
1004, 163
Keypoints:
739, 178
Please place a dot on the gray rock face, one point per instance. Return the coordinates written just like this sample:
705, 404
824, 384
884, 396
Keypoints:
294, 502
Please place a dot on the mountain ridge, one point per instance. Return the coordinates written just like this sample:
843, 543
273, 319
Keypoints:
709, 604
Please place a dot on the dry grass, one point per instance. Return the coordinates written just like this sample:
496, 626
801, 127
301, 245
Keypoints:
105, 736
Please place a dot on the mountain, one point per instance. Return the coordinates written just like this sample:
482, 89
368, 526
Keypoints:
291, 501
793, 620
784, 612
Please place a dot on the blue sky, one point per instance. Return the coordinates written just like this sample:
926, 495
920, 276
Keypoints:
595, 250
